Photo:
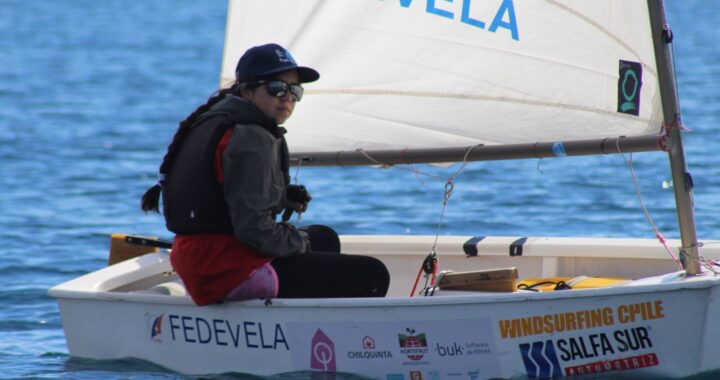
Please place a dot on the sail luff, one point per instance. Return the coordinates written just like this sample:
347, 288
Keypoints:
481, 152
671, 113
227, 82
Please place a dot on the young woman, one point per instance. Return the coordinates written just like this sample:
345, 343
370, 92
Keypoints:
225, 180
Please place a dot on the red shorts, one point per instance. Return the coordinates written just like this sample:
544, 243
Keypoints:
211, 265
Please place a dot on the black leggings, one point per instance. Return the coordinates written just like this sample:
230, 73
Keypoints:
324, 273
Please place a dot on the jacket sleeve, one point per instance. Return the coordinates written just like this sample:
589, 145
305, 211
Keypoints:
255, 191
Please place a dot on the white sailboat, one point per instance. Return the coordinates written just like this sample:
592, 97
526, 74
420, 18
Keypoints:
410, 81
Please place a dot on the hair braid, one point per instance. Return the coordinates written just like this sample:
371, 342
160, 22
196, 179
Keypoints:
151, 199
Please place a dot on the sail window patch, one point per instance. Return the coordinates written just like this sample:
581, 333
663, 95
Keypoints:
629, 84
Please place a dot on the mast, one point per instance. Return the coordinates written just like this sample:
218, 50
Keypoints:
683, 185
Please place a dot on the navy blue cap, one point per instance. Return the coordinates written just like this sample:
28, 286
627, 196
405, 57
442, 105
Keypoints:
265, 60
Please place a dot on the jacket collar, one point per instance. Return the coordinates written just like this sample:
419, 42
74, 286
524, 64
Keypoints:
240, 111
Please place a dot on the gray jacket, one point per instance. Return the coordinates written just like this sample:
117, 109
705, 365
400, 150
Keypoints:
255, 188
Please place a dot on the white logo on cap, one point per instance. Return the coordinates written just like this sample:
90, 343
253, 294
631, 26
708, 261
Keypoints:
284, 56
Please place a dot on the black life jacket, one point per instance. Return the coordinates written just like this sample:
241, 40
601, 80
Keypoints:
193, 199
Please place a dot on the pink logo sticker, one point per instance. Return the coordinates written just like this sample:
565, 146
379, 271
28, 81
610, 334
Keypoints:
322, 355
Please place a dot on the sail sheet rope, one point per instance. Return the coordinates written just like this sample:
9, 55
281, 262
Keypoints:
430, 265
659, 235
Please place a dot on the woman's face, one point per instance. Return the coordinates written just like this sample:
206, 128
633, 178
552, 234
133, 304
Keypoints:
276, 108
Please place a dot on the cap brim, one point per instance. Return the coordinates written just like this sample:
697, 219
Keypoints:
305, 74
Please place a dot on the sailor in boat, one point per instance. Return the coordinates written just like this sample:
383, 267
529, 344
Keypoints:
225, 180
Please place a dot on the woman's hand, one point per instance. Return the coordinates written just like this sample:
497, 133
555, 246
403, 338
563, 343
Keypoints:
296, 199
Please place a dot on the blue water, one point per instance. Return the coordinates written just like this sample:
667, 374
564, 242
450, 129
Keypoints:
91, 93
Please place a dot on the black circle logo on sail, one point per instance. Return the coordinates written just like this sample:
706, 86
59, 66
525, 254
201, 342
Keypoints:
629, 84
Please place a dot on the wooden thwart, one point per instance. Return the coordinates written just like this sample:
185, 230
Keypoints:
493, 280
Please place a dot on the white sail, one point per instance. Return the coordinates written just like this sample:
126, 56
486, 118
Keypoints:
398, 74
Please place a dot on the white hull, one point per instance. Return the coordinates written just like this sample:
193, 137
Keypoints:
630, 329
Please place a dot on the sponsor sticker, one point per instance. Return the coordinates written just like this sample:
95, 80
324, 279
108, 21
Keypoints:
369, 351
580, 320
633, 362
616, 342
156, 328
222, 333
322, 350
411, 349
413, 346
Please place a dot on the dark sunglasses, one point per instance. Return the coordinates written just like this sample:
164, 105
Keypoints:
278, 88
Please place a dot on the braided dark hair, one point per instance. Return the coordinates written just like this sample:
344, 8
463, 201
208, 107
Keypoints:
151, 199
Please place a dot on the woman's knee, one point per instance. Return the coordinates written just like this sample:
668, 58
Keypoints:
378, 275
323, 238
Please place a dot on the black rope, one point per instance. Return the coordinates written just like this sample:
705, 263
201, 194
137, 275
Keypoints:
560, 285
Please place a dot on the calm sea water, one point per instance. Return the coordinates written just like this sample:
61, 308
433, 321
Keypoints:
91, 93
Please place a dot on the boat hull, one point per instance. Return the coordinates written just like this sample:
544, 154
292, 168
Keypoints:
628, 329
